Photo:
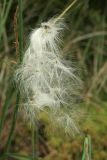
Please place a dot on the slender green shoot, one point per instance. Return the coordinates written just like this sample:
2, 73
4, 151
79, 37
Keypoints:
20, 35
33, 142
65, 11
4, 17
20, 30
7, 103
13, 124
87, 155
15, 156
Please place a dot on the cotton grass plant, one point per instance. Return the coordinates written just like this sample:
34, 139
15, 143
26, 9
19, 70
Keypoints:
45, 80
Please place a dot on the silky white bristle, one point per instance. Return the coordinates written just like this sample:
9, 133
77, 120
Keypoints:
43, 77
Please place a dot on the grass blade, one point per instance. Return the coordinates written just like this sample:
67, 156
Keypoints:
13, 124
5, 16
20, 36
5, 107
87, 148
16, 156
20, 22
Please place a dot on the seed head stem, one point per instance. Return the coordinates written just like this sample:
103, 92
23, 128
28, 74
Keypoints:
65, 11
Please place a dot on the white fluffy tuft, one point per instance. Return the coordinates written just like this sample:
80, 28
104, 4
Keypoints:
43, 79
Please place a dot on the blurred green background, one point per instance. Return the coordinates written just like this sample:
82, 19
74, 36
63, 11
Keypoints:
85, 43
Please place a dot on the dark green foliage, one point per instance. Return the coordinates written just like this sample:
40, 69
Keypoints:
85, 41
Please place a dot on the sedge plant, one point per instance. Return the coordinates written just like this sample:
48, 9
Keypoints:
46, 81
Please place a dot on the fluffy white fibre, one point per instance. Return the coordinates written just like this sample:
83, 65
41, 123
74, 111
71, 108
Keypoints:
44, 80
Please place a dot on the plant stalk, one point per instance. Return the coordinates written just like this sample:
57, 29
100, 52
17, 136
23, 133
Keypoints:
65, 11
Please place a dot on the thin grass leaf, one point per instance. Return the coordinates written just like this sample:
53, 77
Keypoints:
20, 29
20, 58
90, 148
13, 124
33, 142
4, 8
5, 16
7, 103
87, 148
16, 156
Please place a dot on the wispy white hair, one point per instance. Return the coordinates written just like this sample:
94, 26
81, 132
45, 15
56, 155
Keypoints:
44, 80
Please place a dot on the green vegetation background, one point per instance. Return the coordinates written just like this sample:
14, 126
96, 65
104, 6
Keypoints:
85, 42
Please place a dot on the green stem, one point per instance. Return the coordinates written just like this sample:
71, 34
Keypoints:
7, 103
15, 156
33, 142
4, 16
90, 150
4, 8
20, 31
87, 155
13, 123
65, 11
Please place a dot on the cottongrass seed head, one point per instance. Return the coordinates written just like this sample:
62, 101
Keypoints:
45, 82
